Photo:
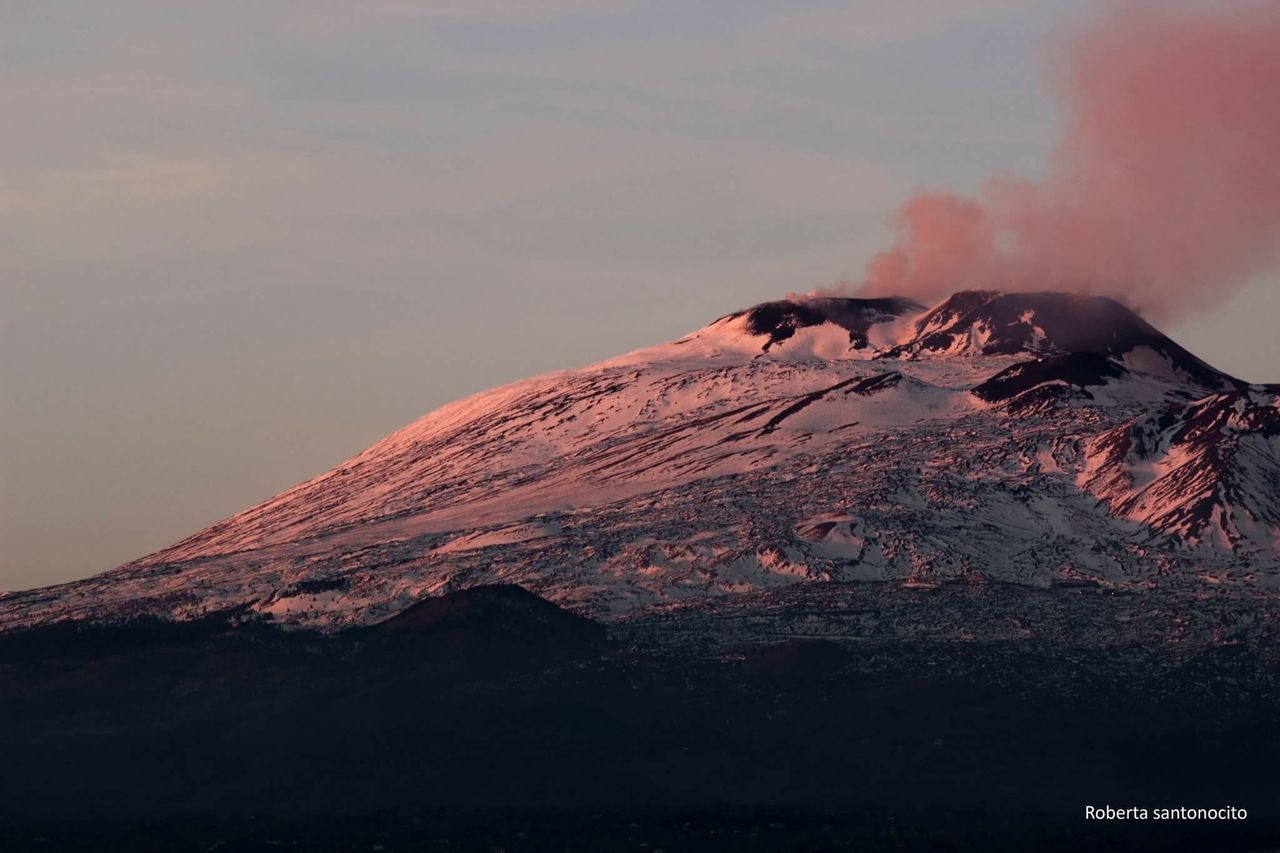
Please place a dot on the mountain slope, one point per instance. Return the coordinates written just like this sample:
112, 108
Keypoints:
1206, 472
986, 438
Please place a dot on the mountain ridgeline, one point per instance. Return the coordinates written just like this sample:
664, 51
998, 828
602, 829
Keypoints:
1035, 439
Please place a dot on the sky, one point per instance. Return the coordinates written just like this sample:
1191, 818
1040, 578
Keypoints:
241, 241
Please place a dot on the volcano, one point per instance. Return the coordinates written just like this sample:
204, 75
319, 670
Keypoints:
1039, 440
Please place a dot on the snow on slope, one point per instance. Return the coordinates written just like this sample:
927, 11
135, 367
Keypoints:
1207, 472
794, 442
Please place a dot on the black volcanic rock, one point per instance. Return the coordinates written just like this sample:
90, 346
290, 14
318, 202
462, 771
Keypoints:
874, 384
780, 320
1069, 323
1048, 323
1034, 384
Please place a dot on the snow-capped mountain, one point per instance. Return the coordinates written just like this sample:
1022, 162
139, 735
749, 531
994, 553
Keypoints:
1036, 439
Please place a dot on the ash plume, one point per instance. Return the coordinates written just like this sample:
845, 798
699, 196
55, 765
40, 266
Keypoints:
1163, 188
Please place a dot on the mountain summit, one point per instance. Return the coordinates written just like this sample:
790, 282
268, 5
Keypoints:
1028, 438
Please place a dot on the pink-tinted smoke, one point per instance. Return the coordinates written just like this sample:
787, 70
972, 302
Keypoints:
1163, 190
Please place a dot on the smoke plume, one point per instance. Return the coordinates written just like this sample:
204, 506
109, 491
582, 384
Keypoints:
1163, 189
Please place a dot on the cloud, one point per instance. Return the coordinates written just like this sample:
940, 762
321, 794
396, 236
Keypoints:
1162, 188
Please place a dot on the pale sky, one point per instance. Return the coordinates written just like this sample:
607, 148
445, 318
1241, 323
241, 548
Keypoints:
241, 241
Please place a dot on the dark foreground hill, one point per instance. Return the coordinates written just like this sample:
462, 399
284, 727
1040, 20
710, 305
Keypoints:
491, 719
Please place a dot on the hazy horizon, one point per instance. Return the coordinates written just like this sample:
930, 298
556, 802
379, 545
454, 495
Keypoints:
244, 243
